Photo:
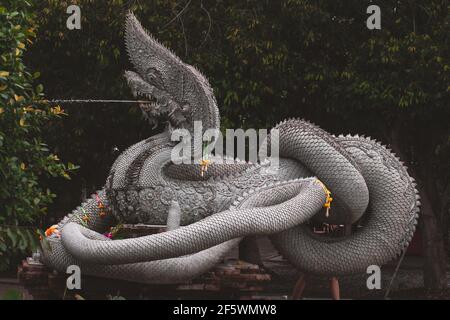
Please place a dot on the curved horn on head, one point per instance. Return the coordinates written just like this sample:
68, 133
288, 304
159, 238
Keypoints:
143, 48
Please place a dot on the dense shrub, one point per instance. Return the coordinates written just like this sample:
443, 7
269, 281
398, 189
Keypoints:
25, 160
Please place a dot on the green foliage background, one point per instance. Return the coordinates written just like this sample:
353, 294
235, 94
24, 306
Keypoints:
25, 160
266, 60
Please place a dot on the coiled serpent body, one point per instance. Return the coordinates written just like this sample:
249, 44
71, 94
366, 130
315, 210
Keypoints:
370, 186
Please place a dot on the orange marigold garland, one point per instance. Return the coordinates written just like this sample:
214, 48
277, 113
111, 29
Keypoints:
52, 230
102, 211
85, 219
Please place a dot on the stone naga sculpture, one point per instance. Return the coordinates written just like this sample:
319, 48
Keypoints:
230, 201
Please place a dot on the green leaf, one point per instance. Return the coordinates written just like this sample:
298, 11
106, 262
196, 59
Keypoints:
12, 237
12, 294
39, 88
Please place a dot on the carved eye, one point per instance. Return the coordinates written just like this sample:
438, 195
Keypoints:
154, 78
163, 101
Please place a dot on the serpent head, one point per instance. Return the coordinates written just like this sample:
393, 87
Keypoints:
177, 92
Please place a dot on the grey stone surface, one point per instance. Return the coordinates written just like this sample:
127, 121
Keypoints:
369, 185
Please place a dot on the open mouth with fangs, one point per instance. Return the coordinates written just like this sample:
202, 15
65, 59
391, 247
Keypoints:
151, 108
154, 101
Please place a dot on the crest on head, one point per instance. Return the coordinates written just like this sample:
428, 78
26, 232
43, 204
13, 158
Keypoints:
178, 93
